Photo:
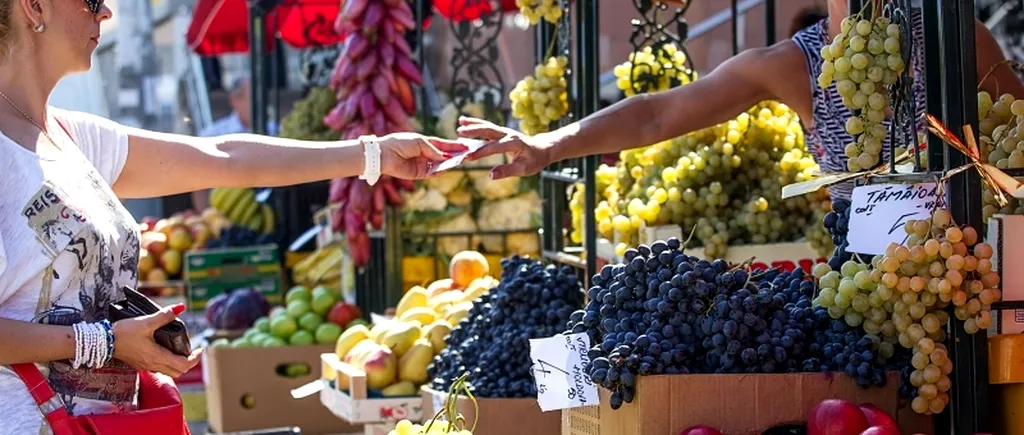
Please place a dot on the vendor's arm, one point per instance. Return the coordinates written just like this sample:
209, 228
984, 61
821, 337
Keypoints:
160, 164
735, 86
1003, 80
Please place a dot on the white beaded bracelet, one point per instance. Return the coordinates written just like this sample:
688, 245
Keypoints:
92, 345
371, 159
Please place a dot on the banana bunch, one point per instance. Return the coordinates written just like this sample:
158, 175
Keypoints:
240, 207
322, 267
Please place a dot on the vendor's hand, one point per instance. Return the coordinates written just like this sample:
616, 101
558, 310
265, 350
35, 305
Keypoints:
134, 344
409, 155
529, 154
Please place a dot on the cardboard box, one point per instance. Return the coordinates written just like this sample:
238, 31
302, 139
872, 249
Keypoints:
736, 404
784, 256
496, 416
215, 271
236, 376
352, 402
1006, 235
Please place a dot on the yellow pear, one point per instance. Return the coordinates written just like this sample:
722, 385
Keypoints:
412, 366
414, 298
381, 368
400, 389
441, 302
349, 339
378, 330
457, 315
421, 315
437, 332
400, 337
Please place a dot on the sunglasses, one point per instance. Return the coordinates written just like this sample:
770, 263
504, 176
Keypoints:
94, 6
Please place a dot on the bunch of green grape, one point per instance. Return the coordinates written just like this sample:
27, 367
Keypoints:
306, 120
902, 296
541, 99
535, 10
722, 182
654, 69
1002, 144
863, 60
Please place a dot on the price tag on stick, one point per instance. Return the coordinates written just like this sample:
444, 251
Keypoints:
558, 364
878, 213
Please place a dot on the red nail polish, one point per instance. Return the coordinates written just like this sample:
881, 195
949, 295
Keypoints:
178, 309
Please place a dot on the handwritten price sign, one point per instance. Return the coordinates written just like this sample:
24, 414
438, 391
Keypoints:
558, 364
878, 213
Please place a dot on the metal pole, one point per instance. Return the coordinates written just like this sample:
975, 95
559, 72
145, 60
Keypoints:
588, 77
257, 83
951, 79
769, 22
734, 23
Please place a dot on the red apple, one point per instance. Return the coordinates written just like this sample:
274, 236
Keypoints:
700, 429
881, 430
836, 417
877, 417
343, 313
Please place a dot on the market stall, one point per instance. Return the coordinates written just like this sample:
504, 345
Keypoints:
678, 291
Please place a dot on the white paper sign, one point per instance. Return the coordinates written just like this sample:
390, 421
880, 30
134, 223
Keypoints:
879, 212
558, 364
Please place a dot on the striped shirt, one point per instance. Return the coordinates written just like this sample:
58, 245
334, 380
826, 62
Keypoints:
827, 137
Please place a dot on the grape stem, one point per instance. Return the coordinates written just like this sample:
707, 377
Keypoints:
1012, 64
449, 410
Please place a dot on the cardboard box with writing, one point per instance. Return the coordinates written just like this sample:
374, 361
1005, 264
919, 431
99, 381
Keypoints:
1006, 235
244, 391
353, 403
739, 404
496, 416
214, 271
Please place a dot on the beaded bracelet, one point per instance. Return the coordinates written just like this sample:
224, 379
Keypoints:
94, 344
109, 330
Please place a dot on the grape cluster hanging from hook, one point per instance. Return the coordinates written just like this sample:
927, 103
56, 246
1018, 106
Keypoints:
863, 60
659, 60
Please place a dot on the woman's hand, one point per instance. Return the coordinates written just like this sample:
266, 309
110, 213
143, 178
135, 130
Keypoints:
134, 344
529, 154
409, 155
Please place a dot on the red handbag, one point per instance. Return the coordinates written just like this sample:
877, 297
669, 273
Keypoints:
160, 411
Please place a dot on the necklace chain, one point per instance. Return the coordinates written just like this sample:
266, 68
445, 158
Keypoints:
29, 118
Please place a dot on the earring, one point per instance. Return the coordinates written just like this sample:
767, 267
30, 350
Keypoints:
39, 28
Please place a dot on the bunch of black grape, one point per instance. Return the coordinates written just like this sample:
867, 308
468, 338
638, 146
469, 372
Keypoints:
492, 343
840, 348
664, 312
837, 222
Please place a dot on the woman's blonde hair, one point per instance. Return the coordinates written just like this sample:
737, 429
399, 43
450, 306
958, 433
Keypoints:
7, 35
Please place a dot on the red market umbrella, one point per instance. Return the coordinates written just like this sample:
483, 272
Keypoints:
222, 26
468, 10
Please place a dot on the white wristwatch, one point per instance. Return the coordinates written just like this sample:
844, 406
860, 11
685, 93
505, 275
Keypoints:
371, 159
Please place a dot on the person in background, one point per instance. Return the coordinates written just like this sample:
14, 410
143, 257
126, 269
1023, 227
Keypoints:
239, 121
807, 17
786, 72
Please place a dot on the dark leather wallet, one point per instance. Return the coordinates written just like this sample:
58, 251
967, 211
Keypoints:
172, 336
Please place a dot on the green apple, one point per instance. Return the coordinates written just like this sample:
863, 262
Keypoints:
297, 308
322, 301
328, 333
262, 324
283, 326
298, 293
310, 321
272, 341
301, 338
